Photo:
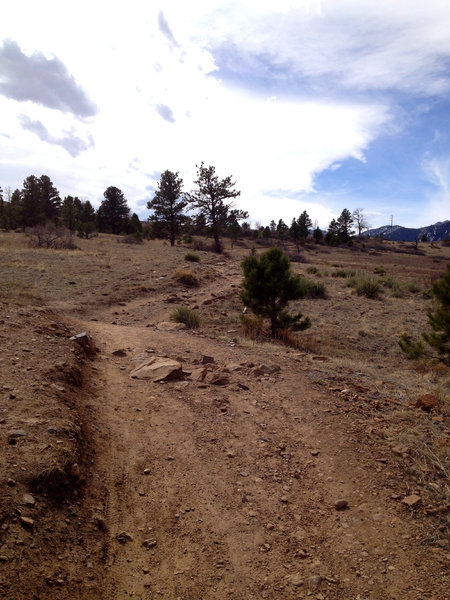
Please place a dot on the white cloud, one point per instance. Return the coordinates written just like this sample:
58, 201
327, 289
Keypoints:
437, 169
151, 69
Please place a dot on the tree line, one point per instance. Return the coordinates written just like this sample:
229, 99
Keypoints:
210, 203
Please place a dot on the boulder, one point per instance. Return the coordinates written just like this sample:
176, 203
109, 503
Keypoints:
158, 369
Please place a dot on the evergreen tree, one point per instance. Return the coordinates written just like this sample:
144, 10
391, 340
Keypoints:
113, 211
70, 212
317, 234
168, 204
210, 199
282, 230
332, 235
304, 226
439, 319
49, 198
15, 212
87, 220
345, 222
2, 210
294, 233
32, 209
269, 286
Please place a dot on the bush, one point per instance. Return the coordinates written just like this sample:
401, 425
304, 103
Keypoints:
187, 278
191, 257
313, 271
439, 319
252, 326
269, 286
343, 273
365, 285
51, 236
133, 238
312, 289
379, 271
184, 314
412, 349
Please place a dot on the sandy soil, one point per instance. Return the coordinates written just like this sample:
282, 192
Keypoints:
191, 489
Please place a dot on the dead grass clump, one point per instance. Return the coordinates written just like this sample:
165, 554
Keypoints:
312, 289
186, 278
344, 273
253, 327
184, 314
191, 257
365, 285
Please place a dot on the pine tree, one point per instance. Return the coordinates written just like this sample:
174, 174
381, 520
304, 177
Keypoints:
113, 211
210, 199
304, 226
268, 286
439, 319
168, 205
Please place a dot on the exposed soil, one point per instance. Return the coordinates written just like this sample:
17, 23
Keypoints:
224, 487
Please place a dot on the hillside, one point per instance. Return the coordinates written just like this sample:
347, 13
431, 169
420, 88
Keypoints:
256, 469
434, 233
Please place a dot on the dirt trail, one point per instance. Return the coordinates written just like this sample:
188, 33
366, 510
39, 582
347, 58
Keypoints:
212, 491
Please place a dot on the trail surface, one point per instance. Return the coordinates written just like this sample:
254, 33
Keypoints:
228, 491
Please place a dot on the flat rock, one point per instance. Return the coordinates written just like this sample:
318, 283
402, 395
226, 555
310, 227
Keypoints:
120, 352
28, 500
199, 374
263, 369
411, 500
158, 369
16, 433
27, 522
170, 326
218, 379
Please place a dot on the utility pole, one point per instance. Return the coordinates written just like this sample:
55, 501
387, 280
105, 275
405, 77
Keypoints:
392, 221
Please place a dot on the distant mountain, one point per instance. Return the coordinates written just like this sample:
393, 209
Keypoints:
434, 233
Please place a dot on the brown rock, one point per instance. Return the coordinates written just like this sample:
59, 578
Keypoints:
411, 500
199, 374
341, 505
158, 369
427, 402
27, 522
207, 360
218, 379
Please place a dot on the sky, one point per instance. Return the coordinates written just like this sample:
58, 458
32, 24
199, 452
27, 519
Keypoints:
315, 105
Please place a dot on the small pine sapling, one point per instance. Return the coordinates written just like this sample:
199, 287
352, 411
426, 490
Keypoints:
268, 286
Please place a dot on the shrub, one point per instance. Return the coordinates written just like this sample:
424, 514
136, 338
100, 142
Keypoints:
252, 326
269, 286
312, 289
439, 319
379, 271
184, 314
51, 236
133, 238
191, 257
187, 278
365, 285
313, 270
343, 273
412, 349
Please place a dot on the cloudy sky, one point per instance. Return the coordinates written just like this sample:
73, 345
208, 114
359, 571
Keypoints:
314, 105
